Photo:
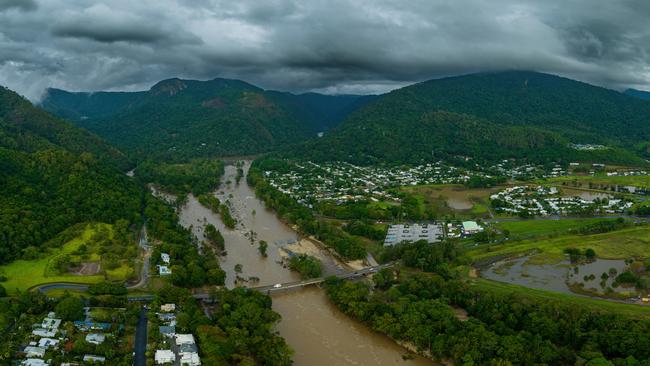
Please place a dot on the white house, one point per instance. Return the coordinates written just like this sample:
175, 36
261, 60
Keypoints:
34, 352
33, 362
168, 308
190, 359
165, 257
48, 342
95, 338
93, 358
164, 356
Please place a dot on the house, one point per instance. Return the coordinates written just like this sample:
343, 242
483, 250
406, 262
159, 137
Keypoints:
184, 339
164, 356
165, 257
86, 326
34, 352
48, 342
471, 227
168, 308
50, 323
33, 362
164, 270
167, 330
167, 317
95, 338
39, 332
93, 358
190, 359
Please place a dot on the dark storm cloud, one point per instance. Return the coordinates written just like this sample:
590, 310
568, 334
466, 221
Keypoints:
23, 5
334, 46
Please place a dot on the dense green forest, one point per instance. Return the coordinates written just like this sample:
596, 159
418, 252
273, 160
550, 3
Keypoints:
54, 175
198, 176
177, 120
501, 328
490, 116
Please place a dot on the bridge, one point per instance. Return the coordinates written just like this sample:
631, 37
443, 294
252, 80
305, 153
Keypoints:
267, 289
316, 281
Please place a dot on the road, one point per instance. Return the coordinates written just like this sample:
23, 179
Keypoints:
144, 273
140, 357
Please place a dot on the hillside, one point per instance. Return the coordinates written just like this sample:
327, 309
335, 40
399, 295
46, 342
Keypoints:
54, 175
182, 119
641, 94
490, 116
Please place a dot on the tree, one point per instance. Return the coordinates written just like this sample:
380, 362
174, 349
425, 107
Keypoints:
70, 308
383, 279
3, 291
590, 254
262, 248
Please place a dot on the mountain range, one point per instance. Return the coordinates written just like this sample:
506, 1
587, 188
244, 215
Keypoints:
488, 116
181, 119
491, 116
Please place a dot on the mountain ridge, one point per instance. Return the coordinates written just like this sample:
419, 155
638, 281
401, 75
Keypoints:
177, 119
504, 103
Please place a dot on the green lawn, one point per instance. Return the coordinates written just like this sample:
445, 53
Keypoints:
544, 227
621, 244
24, 274
631, 310
636, 181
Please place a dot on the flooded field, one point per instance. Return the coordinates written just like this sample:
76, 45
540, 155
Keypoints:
556, 277
456, 197
585, 195
313, 327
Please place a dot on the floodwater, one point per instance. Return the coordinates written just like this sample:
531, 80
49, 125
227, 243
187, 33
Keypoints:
585, 195
315, 329
554, 277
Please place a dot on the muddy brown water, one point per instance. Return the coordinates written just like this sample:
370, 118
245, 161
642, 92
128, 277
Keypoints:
315, 329
554, 277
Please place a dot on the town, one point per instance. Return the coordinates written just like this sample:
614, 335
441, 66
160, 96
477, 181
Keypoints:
540, 200
340, 182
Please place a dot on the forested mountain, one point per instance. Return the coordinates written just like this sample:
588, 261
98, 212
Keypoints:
181, 119
490, 116
54, 175
638, 93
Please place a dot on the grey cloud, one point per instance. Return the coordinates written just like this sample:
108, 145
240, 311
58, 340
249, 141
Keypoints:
338, 46
23, 5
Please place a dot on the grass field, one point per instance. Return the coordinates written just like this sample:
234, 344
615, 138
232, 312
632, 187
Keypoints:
621, 244
631, 310
530, 228
454, 199
636, 181
24, 274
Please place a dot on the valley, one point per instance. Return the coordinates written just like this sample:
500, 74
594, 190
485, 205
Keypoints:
285, 257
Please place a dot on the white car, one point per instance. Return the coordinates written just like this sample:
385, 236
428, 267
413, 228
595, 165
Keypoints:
277, 285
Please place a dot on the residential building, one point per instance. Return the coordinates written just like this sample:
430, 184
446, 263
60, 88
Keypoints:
93, 358
95, 338
34, 352
164, 356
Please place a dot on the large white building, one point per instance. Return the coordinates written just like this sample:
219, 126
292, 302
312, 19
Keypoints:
430, 232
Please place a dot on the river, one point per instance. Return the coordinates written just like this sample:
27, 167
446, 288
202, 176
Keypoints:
315, 329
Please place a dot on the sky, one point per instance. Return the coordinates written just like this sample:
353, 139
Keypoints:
329, 46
